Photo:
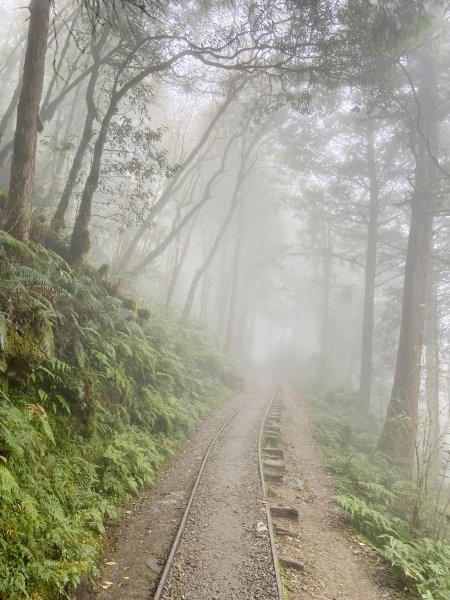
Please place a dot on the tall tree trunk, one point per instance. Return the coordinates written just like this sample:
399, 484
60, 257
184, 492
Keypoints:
204, 296
179, 262
432, 363
400, 428
365, 383
212, 252
224, 276
242, 326
58, 167
8, 147
7, 115
58, 220
17, 215
80, 239
235, 276
324, 351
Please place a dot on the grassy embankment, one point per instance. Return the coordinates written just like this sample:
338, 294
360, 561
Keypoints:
403, 516
94, 397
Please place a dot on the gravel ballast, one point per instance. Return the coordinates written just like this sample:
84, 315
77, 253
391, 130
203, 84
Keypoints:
225, 550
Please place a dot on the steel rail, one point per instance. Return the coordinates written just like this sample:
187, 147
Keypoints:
169, 563
176, 543
268, 514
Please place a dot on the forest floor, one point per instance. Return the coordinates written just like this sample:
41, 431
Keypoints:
335, 565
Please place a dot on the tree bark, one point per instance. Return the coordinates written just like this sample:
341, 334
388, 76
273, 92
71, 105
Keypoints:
365, 384
17, 215
6, 150
400, 428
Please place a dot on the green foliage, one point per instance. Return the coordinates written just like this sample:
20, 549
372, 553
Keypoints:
424, 561
370, 521
379, 501
92, 401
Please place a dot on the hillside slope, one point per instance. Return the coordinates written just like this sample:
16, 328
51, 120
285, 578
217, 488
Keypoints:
94, 396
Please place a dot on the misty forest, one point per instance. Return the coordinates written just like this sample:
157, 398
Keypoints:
224, 299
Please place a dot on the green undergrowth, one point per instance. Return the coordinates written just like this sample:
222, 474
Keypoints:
381, 502
94, 397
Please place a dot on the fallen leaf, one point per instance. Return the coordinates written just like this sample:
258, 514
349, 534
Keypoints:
260, 527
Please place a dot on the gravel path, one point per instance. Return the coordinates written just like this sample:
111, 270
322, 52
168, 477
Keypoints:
222, 556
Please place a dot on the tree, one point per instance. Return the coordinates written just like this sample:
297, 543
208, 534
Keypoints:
17, 213
399, 431
16, 218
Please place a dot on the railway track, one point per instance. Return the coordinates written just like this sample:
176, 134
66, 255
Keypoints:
169, 584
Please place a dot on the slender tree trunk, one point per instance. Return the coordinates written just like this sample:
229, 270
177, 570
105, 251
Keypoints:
173, 184
365, 384
57, 71
245, 344
432, 362
324, 351
8, 147
193, 212
212, 252
235, 276
17, 216
80, 239
58, 220
7, 115
241, 176
204, 296
179, 262
222, 291
399, 431
60, 158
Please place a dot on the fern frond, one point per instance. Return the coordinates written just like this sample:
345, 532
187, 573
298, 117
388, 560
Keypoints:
79, 352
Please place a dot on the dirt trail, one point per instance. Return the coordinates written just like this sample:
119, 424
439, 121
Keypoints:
335, 565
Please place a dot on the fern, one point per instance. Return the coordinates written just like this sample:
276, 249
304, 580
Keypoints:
108, 389
79, 352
